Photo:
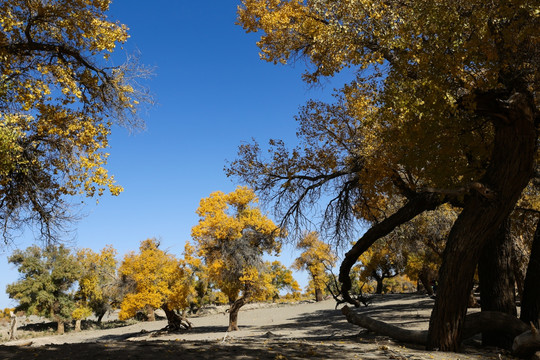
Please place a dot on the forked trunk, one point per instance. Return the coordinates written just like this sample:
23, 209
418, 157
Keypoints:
233, 313
425, 278
530, 302
497, 283
511, 167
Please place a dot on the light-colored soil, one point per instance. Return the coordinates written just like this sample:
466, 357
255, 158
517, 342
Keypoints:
308, 330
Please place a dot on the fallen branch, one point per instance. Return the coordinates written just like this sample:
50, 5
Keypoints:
525, 341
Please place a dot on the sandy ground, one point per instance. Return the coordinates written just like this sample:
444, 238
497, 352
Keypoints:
309, 330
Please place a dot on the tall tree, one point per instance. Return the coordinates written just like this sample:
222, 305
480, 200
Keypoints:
47, 276
317, 258
443, 109
59, 97
232, 235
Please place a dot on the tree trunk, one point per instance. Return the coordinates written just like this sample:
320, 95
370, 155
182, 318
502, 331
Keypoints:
60, 329
78, 325
530, 302
150, 314
509, 171
520, 259
174, 321
497, 283
319, 296
379, 281
100, 317
425, 278
233, 314
13, 327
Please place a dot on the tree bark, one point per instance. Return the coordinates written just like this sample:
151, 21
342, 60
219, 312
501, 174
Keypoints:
233, 314
150, 314
424, 276
319, 296
60, 328
497, 283
530, 302
508, 173
78, 325
13, 327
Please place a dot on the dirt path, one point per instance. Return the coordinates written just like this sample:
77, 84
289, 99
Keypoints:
313, 330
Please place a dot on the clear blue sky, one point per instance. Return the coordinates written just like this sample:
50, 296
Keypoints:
212, 93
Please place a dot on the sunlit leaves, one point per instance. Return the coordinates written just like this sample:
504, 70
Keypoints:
59, 96
231, 237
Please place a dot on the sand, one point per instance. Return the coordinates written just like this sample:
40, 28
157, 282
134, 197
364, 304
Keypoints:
267, 331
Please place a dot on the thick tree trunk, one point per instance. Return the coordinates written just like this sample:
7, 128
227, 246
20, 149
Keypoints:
530, 302
100, 317
510, 169
233, 313
497, 283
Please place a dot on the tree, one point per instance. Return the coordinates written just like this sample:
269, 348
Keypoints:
47, 276
443, 110
317, 257
59, 97
380, 262
232, 235
97, 283
281, 278
159, 280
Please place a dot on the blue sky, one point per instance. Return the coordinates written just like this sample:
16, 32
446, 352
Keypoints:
212, 94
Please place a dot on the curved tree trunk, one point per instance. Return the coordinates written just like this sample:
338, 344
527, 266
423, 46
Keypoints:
416, 205
497, 283
509, 171
530, 302
233, 313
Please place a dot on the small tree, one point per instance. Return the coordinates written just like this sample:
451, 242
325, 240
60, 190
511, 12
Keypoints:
316, 258
232, 235
281, 278
47, 276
